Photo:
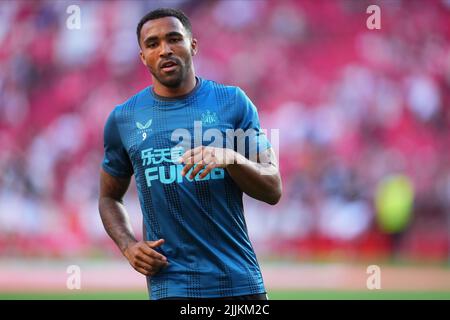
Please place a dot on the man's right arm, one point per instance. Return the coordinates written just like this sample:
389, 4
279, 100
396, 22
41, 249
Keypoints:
140, 254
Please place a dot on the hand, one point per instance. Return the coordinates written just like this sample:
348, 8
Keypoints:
144, 259
206, 158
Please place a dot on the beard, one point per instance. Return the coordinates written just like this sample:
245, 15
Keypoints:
175, 78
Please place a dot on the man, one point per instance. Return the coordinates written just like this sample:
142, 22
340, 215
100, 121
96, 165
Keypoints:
196, 241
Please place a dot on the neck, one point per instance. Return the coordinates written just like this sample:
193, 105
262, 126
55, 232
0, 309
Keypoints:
186, 86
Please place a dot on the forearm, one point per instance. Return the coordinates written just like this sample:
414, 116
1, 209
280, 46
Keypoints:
259, 180
116, 222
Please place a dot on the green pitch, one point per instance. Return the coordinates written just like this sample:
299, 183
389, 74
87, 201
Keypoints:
273, 295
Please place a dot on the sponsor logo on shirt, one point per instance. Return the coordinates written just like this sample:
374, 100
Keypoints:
143, 128
153, 159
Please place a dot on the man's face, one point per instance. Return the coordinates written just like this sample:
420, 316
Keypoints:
167, 50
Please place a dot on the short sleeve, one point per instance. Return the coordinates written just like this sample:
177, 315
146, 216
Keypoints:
248, 120
116, 161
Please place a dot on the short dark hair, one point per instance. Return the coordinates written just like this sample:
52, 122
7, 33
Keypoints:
161, 13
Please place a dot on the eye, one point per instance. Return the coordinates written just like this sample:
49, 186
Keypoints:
152, 45
174, 40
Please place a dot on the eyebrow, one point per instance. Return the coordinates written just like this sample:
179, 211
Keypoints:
167, 35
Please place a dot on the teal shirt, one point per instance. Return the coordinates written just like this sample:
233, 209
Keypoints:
202, 220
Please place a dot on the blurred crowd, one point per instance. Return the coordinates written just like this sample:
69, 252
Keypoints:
352, 105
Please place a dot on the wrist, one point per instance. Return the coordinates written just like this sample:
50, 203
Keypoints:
126, 245
230, 157
235, 158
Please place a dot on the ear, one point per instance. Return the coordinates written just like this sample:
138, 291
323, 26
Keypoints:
141, 55
194, 47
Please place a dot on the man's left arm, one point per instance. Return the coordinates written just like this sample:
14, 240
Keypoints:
260, 180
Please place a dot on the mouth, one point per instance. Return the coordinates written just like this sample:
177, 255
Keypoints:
169, 66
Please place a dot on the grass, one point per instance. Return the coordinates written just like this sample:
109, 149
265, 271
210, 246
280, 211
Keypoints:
273, 295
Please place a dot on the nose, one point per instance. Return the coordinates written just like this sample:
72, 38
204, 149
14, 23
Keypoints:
166, 50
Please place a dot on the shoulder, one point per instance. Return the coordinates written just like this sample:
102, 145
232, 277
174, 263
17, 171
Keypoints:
222, 89
125, 108
122, 113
